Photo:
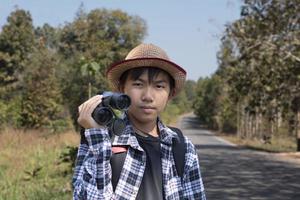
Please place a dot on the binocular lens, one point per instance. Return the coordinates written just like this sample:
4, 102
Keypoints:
123, 102
102, 115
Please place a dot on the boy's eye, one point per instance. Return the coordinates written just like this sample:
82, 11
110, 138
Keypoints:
136, 83
160, 86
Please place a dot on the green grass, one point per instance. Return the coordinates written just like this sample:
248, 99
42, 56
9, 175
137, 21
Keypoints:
31, 166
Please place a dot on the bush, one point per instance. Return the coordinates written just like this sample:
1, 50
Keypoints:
170, 114
10, 112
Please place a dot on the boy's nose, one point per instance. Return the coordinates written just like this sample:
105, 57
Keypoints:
147, 95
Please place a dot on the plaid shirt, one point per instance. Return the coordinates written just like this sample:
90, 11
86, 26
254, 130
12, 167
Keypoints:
92, 176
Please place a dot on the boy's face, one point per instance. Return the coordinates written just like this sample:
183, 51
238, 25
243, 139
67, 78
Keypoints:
148, 98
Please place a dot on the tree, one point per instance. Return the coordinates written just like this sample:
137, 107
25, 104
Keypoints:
42, 100
206, 103
190, 90
16, 46
48, 36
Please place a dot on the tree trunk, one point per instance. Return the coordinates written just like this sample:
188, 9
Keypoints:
296, 109
246, 124
90, 90
259, 125
298, 130
238, 119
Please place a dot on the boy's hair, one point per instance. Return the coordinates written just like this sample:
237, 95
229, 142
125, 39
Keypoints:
153, 72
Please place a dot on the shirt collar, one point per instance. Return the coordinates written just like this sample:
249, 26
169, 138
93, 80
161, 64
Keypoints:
128, 137
166, 134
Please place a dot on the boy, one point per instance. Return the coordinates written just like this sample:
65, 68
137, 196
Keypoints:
150, 79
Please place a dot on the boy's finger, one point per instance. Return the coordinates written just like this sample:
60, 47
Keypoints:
90, 103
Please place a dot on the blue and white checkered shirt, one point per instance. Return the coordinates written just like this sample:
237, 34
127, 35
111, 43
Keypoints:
92, 176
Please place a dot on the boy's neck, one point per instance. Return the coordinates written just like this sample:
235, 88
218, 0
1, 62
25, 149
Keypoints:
145, 133
148, 128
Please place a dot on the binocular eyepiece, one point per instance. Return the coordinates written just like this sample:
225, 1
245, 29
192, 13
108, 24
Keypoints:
105, 116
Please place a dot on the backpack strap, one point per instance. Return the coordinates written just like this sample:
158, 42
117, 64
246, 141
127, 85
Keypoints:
117, 161
82, 136
179, 150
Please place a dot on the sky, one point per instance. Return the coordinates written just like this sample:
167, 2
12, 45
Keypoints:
188, 30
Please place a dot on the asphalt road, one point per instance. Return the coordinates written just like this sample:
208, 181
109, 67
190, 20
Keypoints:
230, 172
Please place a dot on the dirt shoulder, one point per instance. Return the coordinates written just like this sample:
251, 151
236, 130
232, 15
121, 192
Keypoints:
293, 157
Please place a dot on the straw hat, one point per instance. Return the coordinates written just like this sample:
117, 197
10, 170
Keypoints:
147, 55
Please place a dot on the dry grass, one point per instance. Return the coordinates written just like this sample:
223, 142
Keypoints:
17, 145
32, 137
277, 144
282, 148
30, 162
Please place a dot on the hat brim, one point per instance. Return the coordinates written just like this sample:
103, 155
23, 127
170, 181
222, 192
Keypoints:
177, 73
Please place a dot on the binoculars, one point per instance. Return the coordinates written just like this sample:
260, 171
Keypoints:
104, 114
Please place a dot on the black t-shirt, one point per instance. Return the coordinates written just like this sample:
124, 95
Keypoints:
151, 187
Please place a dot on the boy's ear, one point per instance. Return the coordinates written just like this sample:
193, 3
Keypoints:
172, 93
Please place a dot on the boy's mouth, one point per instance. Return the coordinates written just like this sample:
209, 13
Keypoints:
147, 109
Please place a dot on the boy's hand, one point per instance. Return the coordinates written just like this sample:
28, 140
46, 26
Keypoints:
85, 111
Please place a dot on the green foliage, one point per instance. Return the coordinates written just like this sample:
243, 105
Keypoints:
102, 35
190, 90
6, 70
227, 118
79, 85
47, 36
170, 114
10, 112
42, 99
16, 45
206, 103
213, 105
69, 156
181, 102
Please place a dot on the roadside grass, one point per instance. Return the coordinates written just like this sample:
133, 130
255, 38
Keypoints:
276, 144
32, 167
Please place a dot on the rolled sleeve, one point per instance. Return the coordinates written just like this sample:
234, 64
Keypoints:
93, 177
